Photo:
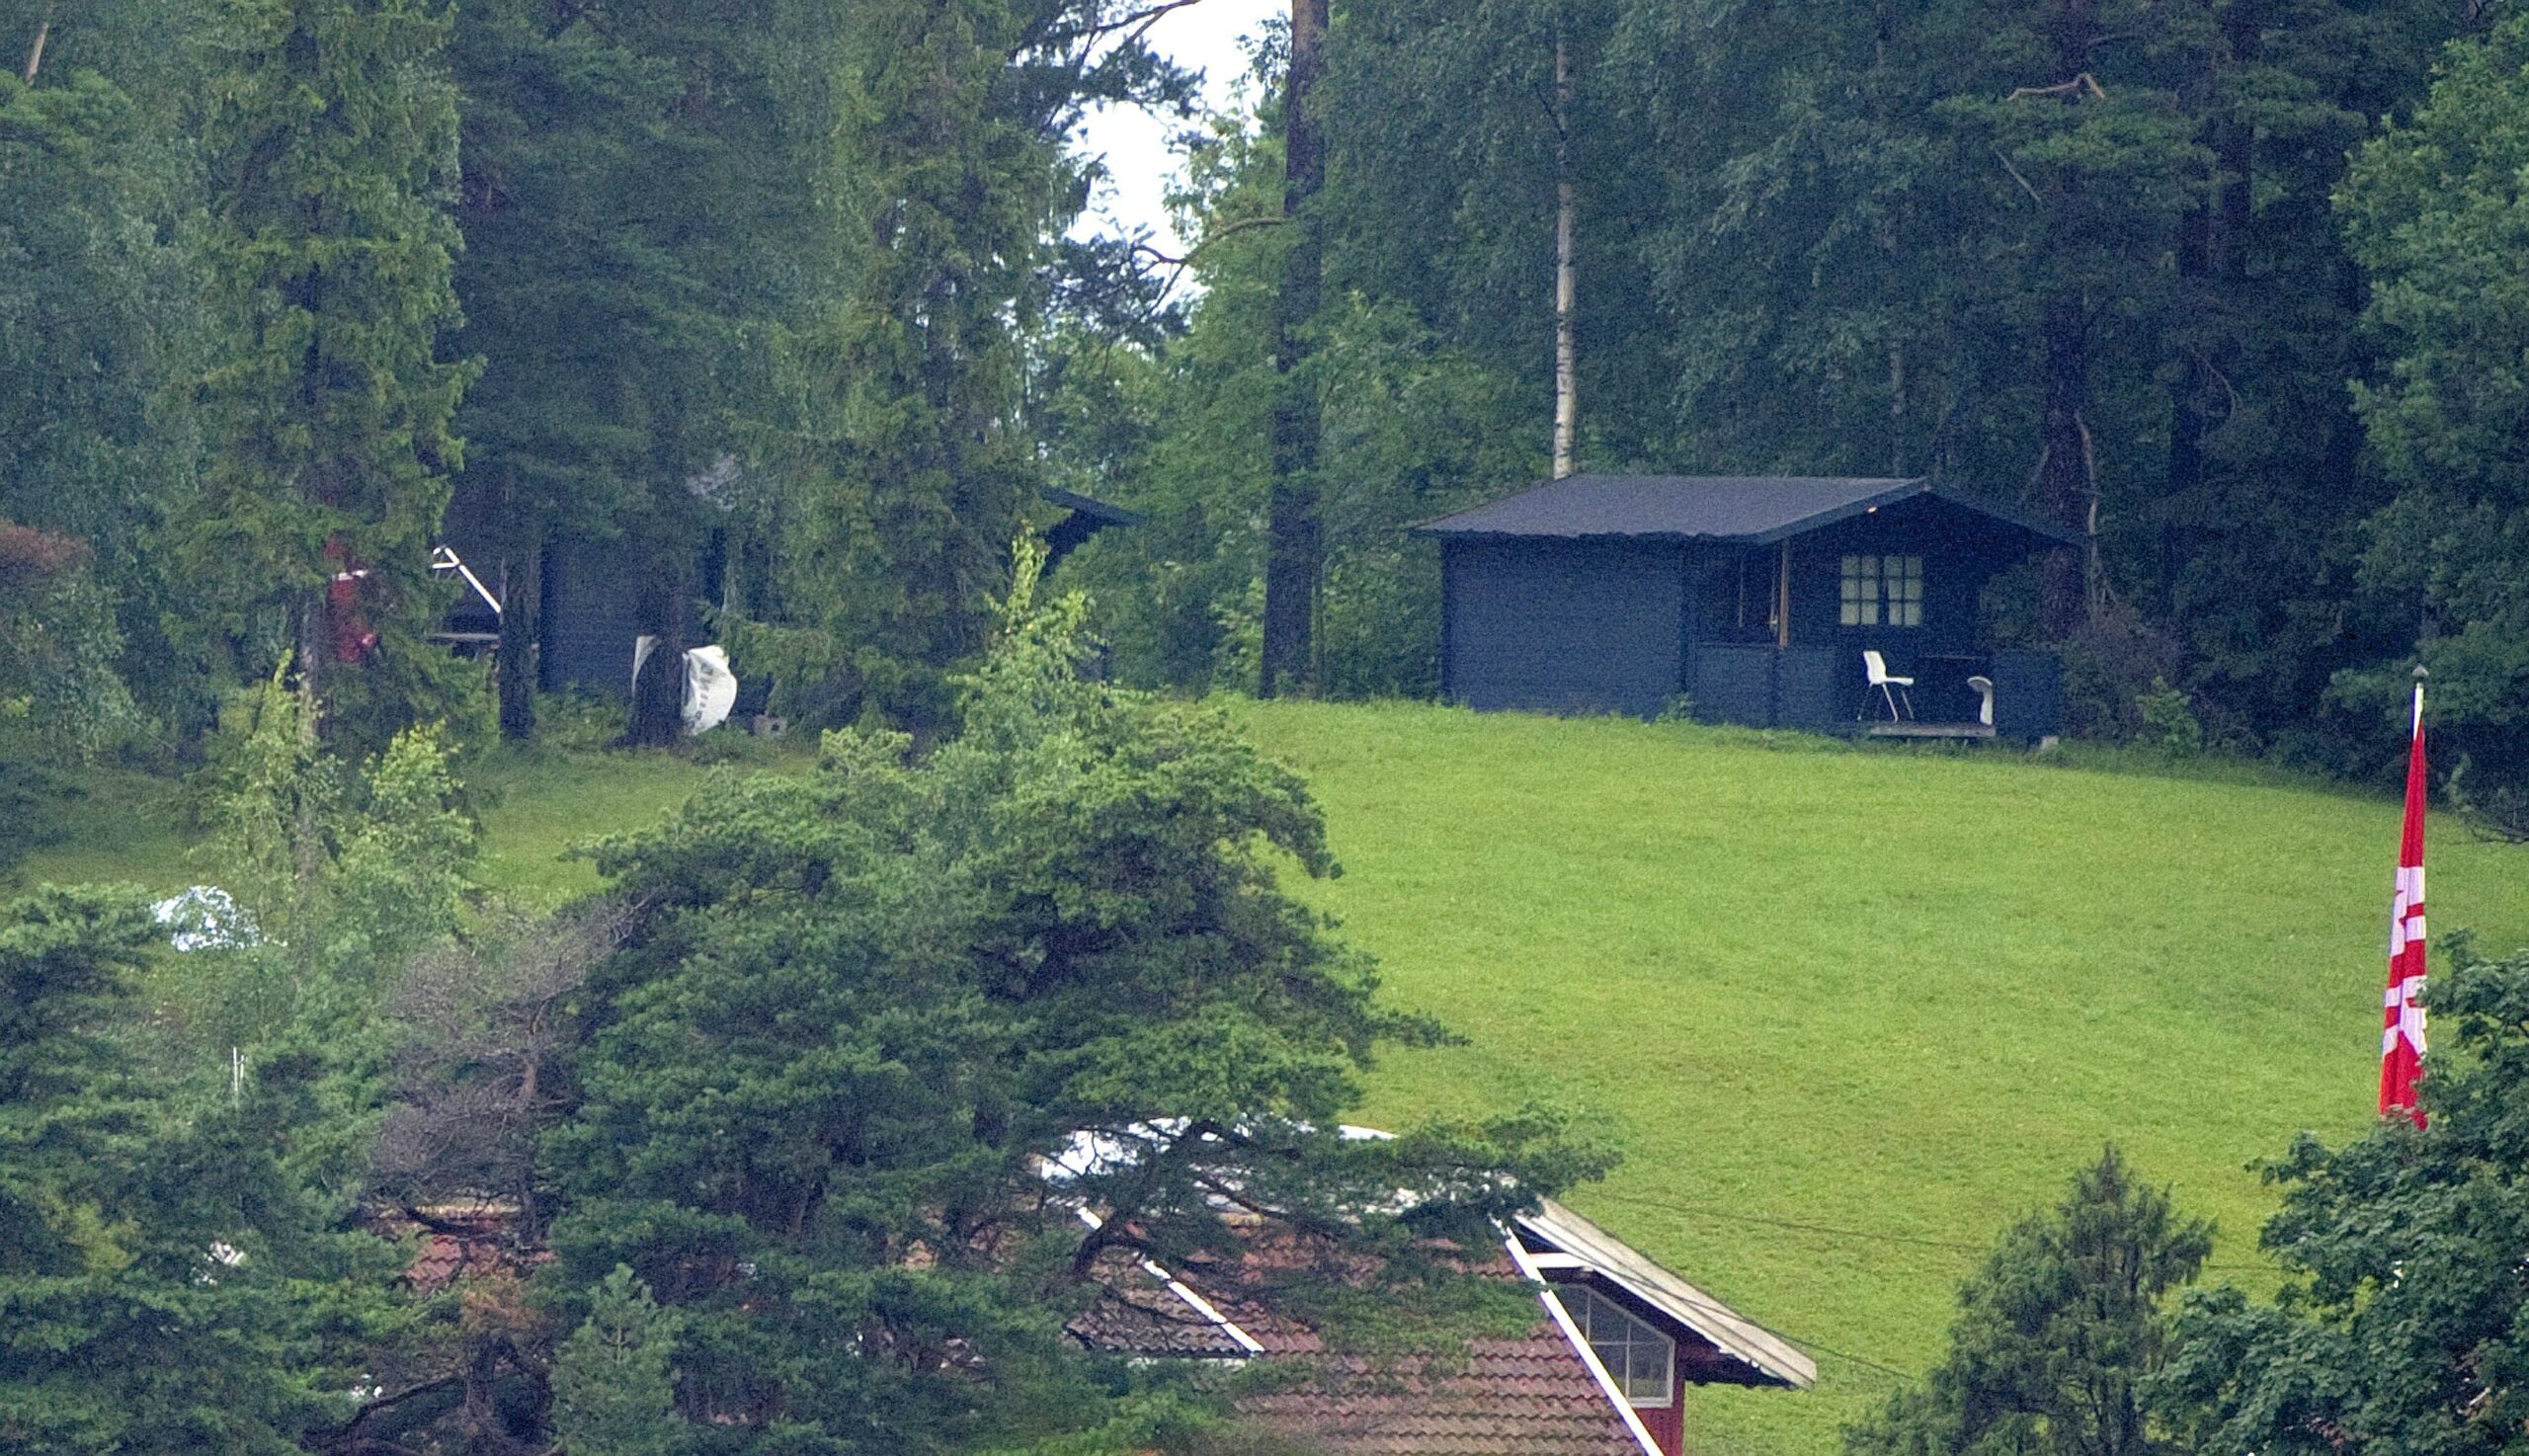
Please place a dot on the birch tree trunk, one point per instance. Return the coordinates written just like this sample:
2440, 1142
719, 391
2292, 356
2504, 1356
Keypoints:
1567, 401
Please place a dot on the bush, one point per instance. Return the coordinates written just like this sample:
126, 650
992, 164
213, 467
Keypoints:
2109, 667
2169, 719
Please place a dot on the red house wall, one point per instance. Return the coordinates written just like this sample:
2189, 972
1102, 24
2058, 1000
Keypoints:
1667, 1424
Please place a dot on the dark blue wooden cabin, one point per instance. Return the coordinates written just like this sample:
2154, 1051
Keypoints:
1753, 596
590, 607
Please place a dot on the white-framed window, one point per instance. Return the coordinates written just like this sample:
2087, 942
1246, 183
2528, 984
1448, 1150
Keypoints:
1877, 589
1641, 1360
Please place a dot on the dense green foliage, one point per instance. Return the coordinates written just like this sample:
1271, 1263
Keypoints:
330, 137
2431, 207
857, 1012
587, 317
2401, 1326
610, 1380
2057, 1332
167, 1281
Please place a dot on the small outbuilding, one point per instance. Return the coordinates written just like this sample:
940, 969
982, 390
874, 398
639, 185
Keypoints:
590, 590
1755, 597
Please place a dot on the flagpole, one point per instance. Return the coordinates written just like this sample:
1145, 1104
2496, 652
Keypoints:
2402, 1024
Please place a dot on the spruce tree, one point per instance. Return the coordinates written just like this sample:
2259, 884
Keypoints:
919, 472
576, 300
816, 1118
610, 1379
166, 1284
2057, 1333
331, 134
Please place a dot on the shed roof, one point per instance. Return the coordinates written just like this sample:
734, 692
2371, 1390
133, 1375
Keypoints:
1749, 510
1102, 512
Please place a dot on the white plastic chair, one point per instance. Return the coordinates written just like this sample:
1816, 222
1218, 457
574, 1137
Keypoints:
1877, 665
1985, 710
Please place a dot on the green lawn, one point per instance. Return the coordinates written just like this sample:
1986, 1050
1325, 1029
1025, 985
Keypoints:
1844, 1011
534, 804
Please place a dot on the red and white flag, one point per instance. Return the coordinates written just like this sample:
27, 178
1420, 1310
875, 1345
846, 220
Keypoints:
2402, 1027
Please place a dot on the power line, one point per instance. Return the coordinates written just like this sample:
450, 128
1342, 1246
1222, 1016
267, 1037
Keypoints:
1785, 1223
1831, 1231
1728, 1315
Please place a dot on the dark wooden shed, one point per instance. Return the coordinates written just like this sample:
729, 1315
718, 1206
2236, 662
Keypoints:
589, 602
1756, 597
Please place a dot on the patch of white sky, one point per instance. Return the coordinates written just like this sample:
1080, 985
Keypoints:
1136, 144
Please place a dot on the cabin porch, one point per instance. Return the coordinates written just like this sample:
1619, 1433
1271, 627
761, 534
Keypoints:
1824, 690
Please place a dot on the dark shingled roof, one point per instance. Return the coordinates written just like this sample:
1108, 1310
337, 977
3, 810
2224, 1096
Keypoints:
1090, 505
1749, 510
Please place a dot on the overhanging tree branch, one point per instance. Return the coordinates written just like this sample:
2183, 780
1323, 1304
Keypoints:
2082, 84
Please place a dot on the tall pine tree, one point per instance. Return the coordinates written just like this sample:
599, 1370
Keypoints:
331, 132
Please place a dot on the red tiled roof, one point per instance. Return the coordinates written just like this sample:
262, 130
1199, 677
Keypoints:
462, 1242
1137, 1315
1530, 1396
1525, 1396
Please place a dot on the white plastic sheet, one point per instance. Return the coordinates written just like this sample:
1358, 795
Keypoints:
710, 687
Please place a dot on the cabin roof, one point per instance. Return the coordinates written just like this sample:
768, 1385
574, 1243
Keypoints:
1747, 509
1102, 512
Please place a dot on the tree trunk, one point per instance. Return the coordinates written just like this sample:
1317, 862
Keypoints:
2068, 472
521, 598
2065, 493
1294, 546
1566, 404
658, 693
2187, 392
2211, 267
1896, 406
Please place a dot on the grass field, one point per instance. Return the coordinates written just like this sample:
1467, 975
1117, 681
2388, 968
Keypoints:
533, 805
1846, 1012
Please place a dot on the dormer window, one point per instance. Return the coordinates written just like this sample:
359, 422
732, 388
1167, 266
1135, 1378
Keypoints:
1641, 1360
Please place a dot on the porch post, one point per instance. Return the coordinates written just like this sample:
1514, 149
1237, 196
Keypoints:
1783, 598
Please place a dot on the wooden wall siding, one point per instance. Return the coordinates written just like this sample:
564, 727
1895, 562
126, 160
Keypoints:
1668, 1423
1811, 688
2028, 695
1733, 683
1565, 626
1758, 687
589, 621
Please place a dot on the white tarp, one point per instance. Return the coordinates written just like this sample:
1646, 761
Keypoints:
206, 918
710, 687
